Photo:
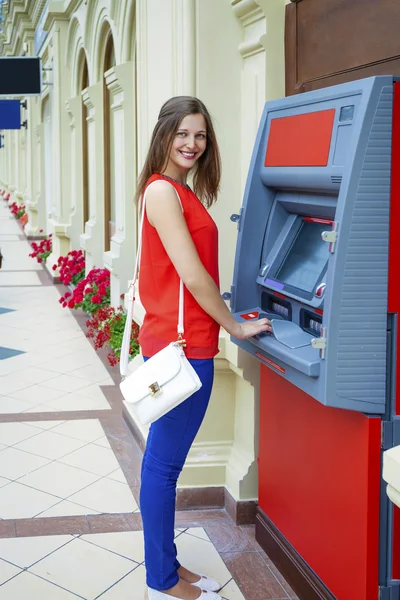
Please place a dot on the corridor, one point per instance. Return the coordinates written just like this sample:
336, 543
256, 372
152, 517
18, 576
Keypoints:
70, 524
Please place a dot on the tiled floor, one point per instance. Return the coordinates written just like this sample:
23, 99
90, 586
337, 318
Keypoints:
70, 526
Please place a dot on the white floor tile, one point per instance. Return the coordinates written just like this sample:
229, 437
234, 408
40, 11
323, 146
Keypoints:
198, 532
7, 571
68, 363
59, 480
92, 458
37, 394
24, 552
11, 279
77, 402
41, 408
200, 556
92, 391
231, 591
66, 383
15, 463
128, 543
106, 496
45, 424
50, 445
94, 373
65, 508
123, 590
84, 575
12, 405
87, 430
103, 441
13, 433
29, 587
21, 502
117, 475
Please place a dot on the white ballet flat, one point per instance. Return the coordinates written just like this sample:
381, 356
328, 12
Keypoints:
156, 595
208, 584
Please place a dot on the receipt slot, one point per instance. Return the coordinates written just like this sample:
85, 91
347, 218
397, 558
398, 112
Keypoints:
313, 256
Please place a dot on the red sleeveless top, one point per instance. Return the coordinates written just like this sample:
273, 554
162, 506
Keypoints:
159, 284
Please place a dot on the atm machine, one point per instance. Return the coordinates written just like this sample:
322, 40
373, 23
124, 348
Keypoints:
318, 253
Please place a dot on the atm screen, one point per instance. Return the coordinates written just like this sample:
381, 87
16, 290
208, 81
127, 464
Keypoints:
306, 258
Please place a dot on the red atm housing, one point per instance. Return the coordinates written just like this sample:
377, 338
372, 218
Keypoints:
319, 467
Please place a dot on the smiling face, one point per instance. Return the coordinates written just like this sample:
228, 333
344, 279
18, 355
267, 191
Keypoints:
189, 143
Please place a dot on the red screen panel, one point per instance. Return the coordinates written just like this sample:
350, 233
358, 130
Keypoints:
301, 140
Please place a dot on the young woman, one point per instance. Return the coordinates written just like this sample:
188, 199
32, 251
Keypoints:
180, 241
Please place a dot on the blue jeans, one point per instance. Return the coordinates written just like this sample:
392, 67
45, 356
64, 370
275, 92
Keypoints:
168, 444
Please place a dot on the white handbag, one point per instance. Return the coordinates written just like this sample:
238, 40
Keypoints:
165, 380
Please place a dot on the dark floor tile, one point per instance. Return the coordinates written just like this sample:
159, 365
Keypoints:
291, 593
7, 528
199, 518
51, 526
109, 523
227, 537
250, 532
254, 578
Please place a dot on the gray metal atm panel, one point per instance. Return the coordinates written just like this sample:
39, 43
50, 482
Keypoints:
352, 373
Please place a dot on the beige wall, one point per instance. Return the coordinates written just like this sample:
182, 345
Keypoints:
227, 52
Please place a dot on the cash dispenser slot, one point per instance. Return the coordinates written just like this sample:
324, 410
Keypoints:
311, 322
276, 306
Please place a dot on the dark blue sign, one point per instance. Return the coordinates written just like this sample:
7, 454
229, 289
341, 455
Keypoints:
10, 114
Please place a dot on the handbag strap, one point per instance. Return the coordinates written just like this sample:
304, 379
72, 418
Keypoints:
126, 340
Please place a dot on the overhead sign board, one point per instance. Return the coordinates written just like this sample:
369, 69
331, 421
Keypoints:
20, 76
10, 114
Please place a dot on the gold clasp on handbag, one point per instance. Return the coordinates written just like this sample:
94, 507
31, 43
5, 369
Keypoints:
181, 342
154, 389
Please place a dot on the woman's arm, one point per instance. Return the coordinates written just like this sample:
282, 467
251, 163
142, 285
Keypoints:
164, 212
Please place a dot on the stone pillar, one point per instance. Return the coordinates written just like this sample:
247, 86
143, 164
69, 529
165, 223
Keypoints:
75, 227
60, 138
32, 197
21, 168
120, 259
40, 195
253, 87
92, 241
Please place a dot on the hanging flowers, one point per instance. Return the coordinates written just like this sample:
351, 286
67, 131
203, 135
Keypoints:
91, 293
106, 327
43, 249
72, 267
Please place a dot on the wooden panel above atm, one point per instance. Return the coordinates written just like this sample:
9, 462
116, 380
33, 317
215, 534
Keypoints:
333, 41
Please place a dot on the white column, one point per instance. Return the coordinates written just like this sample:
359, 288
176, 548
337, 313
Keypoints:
32, 196
166, 73
75, 227
253, 85
92, 241
120, 259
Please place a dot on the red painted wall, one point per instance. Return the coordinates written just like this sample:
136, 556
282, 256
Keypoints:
319, 482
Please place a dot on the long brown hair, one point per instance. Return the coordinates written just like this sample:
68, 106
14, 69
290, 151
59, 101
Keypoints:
207, 170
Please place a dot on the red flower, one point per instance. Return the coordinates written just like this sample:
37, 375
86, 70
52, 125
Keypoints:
40, 259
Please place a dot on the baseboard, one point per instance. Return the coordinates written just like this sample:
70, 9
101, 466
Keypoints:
55, 279
294, 569
202, 498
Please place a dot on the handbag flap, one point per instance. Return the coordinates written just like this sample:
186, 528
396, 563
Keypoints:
157, 371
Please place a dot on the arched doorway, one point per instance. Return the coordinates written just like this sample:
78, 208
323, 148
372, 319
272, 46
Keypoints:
83, 84
109, 200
